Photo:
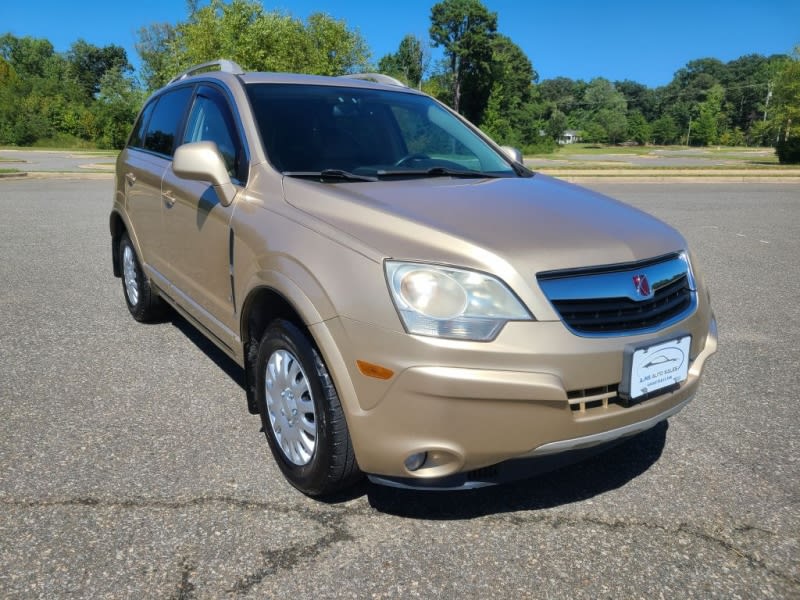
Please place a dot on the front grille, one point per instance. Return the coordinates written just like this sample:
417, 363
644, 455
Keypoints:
604, 300
612, 315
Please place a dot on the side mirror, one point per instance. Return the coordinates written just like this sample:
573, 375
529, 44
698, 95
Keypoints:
513, 153
201, 161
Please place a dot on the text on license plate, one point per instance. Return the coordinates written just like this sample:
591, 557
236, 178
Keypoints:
657, 366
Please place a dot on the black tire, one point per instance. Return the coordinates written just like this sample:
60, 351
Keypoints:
143, 302
286, 354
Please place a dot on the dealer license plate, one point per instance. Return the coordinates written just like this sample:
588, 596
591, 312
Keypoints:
650, 368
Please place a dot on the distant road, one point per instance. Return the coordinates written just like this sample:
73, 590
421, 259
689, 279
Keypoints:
45, 161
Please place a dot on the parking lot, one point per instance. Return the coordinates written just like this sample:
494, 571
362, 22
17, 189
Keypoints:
130, 467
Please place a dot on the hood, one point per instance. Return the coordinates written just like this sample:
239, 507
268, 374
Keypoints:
535, 224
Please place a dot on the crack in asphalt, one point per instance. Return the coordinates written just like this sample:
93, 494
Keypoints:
146, 503
334, 521
286, 558
756, 563
283, 559
186, 588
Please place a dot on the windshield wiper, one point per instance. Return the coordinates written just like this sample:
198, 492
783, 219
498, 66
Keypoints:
330, 174
436, 172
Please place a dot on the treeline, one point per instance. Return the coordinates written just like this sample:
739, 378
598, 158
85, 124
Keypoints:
87, 94
92, 94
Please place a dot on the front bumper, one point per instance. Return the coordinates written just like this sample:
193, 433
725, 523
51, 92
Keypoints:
504, 402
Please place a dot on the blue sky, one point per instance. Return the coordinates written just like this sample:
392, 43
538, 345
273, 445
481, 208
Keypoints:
640, 40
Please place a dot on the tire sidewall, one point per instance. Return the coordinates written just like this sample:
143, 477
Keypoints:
135, 309
282, 335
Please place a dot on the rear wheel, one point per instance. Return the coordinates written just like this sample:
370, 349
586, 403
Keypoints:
302, 416
143, 303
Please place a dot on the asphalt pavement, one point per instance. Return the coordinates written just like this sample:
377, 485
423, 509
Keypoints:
130, 468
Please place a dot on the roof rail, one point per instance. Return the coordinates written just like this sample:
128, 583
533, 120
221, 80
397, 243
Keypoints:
225, 66
376, 77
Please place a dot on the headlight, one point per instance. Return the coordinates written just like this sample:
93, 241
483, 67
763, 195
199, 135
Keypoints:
451, 303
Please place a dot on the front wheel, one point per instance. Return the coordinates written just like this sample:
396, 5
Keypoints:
301, 413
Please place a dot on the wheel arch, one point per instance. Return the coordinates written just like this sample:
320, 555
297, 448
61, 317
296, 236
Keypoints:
263, 305
117, 227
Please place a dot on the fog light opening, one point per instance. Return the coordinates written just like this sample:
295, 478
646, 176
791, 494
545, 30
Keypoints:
415, 461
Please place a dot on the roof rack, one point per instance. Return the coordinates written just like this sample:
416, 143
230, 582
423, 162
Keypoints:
225, 66
376, 77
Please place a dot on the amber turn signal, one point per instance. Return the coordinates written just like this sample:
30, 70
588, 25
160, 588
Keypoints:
376, 371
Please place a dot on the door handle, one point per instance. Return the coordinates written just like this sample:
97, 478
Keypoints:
169, 198
130, 178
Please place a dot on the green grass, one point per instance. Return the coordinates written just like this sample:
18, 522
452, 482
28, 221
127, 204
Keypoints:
578, 156
9, 171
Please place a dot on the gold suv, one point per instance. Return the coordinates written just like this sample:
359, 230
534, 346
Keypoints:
407, 300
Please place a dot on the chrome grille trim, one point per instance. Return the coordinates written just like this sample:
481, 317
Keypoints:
604, 302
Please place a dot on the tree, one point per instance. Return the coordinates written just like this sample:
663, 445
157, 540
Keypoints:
115, 110
241, 30
787, 110
605, 108
335, 50
706, 127
496, 123
556, 124
159, 62
30, 57
665, 130
408, 62
564, 93
638, 97
638, 128
512, 78
87, 64
465, 29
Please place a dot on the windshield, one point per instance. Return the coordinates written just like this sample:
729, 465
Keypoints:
313, 129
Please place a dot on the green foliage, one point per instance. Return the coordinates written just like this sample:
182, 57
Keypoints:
787, 97
496, 123
510, 112
46, 96
638, 128
556, 124
87, 64
734, 137
788, 151
665, 130
159, 63
241, 30
465, 29
706, 128
408, 63
88, 95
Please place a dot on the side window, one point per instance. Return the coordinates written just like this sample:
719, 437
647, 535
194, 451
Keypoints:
166, 121
137, 135
210, 120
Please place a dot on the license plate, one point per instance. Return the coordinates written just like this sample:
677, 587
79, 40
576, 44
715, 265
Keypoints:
652, 367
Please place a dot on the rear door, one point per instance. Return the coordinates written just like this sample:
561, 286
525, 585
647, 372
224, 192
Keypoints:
145, 160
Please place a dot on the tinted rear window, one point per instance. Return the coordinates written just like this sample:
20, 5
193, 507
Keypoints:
166, 121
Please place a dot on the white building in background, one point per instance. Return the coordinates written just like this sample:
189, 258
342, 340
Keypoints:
570, 136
